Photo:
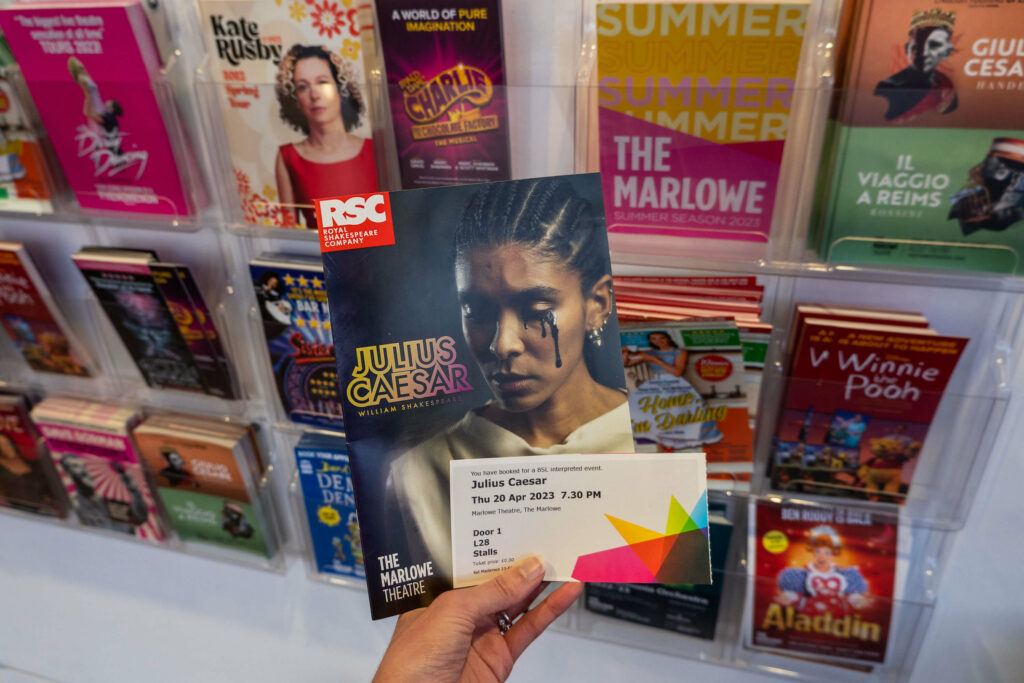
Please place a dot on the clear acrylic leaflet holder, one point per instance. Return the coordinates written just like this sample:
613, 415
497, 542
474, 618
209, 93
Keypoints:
679, 220
919, 551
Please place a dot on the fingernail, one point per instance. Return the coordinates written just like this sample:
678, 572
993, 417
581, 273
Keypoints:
530, 568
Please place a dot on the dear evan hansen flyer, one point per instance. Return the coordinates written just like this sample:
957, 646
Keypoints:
694, 104
446, 83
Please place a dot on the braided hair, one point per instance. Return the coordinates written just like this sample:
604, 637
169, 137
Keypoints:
544, 215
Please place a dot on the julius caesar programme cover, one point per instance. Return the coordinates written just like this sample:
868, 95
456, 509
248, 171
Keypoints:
465, 319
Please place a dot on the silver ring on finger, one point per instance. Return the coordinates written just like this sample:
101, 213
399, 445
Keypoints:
504, 622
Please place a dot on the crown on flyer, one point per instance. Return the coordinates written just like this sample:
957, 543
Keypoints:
933, 18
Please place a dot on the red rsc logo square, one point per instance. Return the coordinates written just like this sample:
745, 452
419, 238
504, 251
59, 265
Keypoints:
356, 221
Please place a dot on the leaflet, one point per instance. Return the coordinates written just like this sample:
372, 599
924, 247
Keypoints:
590, 517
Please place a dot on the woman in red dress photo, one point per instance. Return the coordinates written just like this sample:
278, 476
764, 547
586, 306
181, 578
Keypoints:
320, 98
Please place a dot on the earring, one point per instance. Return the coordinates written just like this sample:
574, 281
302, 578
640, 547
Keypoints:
594, 333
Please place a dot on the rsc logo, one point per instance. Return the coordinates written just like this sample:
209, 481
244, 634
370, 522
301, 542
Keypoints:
354, 210
355, 222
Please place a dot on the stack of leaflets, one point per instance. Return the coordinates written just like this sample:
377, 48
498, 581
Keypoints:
95, 73
24, 181
207, 474
27, 479
328, 500
694, 367
162, 319
824, 582
98, 465
862, 388
684, 608
292, 300
31, 318
924, 164
290, 83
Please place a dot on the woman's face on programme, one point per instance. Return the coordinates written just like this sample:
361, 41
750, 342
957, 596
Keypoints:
316, 90
659, 340
508, 294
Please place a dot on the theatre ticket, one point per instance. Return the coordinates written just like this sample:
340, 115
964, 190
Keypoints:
629, 518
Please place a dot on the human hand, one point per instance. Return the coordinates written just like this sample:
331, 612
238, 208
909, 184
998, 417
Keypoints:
457, 638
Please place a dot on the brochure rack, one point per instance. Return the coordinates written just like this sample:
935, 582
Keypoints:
732, 646
265, 491
676, 221
117, 379
288, 438
247, 207
985, 309
837, 194
903, 209
26, 127
552, 96
182, 205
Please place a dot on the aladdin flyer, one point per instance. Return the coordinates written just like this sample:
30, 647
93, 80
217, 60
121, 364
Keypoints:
824, 580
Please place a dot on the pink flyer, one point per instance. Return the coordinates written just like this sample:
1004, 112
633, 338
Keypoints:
90, 69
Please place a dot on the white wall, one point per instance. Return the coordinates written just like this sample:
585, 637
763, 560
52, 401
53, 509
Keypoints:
76, 606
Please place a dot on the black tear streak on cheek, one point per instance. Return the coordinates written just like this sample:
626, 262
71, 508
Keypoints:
549, 318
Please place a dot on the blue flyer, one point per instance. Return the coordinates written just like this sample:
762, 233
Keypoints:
330, 505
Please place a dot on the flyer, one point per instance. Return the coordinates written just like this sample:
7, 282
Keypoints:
929, 151
31, 319
132, 298
99, 466
464, 320
858, 404
290, 82
292, 302
24, 179
688, 389
446, 83
824, 580
328, 498
694, 101
27, 479
93, 71
202, 478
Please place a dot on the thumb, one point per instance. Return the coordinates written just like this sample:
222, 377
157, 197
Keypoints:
508, 588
